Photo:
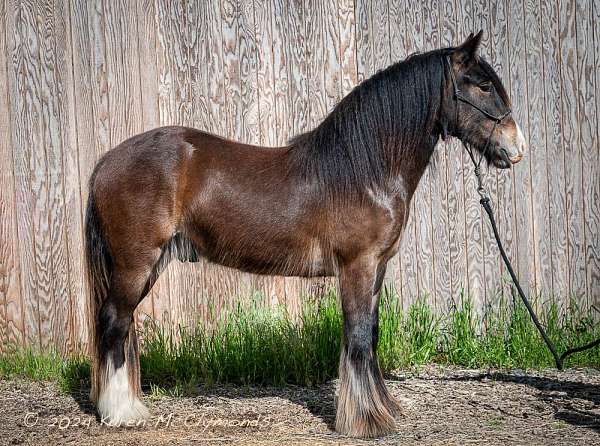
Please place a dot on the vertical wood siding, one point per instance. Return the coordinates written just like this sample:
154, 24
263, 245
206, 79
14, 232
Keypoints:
79, 76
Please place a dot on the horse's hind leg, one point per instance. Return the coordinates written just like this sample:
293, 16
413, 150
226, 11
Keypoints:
118, 374
365, 407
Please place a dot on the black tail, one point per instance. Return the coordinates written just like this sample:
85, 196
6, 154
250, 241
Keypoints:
99, 270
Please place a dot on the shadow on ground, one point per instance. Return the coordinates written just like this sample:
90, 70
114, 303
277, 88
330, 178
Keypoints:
319, 401
562, 395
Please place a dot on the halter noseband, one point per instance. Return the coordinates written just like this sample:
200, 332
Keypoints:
459, 97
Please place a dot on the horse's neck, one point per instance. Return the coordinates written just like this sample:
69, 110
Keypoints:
410, 167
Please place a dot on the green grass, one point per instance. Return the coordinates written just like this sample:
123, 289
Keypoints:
257, 345
70, 372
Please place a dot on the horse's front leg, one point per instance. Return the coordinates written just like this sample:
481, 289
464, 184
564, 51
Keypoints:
365, 407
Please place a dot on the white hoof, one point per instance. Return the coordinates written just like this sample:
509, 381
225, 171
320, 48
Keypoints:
117, 405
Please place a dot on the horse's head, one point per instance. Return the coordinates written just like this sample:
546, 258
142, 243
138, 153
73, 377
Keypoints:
477, 109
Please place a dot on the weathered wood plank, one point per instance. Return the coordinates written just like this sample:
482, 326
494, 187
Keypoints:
518, 75
437, 177
594, 270
450, 35
229, 280
420, 213
248, 60
30, 170
200, 56
267, 44
241, 104
296, 119
53, 135
491, 261
11, 311
280, 72
407, 273
86, 97
348, 66
421, 202
572, 166
124, 89
472, 215
231, 68
504, 200
587, 71
380, 31
212, 53
316, 37
554, 149
175, 108
66, 225
537, 158
267, 105
364, 37
152, 305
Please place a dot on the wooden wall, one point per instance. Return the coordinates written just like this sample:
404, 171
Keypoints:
79, 76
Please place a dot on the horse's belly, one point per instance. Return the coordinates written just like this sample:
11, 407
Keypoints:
261, 253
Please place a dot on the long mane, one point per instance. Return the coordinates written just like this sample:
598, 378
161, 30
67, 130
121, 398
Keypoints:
376, 128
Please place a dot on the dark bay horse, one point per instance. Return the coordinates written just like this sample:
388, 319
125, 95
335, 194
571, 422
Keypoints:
333, 202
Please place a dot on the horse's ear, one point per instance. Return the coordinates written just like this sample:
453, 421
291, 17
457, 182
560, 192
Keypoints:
468, 50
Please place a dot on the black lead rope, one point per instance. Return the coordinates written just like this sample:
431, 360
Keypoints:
559, 360
485, 202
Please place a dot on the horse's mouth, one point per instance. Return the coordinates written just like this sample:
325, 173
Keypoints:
502, 160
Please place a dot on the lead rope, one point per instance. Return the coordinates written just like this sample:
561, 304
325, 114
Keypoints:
485, 202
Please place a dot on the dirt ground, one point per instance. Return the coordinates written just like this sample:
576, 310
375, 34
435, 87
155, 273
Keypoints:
442, 406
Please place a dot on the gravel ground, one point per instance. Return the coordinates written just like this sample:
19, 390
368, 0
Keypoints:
441, 406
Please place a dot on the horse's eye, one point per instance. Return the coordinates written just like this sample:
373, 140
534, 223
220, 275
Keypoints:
485, 86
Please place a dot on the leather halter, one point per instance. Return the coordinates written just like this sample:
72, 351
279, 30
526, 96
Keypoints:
459, 97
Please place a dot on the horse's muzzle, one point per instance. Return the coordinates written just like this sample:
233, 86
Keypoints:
517, 158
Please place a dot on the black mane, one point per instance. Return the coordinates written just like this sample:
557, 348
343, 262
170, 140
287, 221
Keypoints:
374, 129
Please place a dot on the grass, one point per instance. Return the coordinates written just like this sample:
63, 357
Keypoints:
257, 345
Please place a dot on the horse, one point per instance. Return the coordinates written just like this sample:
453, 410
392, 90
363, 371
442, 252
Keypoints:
332, 202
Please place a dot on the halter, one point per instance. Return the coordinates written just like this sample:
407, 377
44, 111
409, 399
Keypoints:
485, 202
459, 97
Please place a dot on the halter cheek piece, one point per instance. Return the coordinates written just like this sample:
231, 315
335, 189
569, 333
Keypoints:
459, 97
485, 202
